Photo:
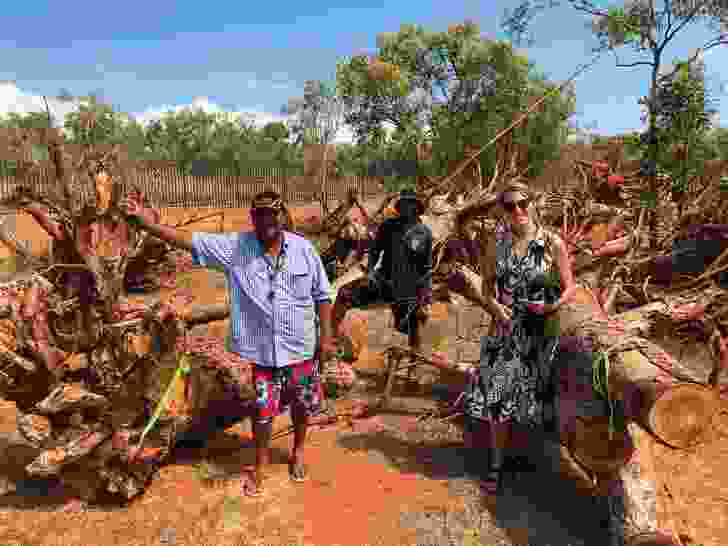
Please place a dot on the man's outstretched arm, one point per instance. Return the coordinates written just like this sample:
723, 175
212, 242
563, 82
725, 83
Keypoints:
147, 220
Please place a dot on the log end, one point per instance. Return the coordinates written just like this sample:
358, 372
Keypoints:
652, 539
681, 415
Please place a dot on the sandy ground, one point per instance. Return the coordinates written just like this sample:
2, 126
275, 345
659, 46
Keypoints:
381, 481
29, 232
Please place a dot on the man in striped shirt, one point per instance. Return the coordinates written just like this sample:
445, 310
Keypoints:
278, 287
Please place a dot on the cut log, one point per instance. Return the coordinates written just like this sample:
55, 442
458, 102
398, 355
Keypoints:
643, 375
678, 413
632, 498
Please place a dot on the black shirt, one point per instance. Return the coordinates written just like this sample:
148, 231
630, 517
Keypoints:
407, 257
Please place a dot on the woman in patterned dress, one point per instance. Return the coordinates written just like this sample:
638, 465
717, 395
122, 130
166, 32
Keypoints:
527, 276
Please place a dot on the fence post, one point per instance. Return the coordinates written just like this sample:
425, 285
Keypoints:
167, 187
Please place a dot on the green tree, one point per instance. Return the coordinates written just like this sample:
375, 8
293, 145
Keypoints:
276, 149
108, 128
684, 117
648, 26
199, 141
717, 143
275, 131
194, 138
317, 117
451, 89
26, 120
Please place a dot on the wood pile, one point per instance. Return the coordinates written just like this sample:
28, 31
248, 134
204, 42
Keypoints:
637, 306
82, 368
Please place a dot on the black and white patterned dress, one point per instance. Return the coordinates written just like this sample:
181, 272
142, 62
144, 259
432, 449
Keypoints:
514, 378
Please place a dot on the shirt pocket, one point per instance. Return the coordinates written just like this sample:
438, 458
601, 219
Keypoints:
298, 283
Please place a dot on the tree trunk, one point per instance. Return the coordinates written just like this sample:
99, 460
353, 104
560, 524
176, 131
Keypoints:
650, 383
631, 495
593, 447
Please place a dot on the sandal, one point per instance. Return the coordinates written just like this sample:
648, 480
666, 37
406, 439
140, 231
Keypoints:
297, 472
249, 486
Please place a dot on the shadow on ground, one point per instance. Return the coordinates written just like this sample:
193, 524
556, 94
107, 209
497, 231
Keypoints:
536, 508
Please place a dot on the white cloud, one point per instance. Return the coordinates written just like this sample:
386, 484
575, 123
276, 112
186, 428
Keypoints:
13, 99
256, 116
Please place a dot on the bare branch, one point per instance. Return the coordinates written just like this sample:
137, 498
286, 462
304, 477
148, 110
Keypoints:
587, 7
688, 19
9, 240
637, 63
668, 9
618, 64
720, 40
48, 110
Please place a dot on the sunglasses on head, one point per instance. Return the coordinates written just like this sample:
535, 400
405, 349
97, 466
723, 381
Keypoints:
521, 204
264, 211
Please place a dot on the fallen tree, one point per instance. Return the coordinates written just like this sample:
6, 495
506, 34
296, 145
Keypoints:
85, 369
640, 304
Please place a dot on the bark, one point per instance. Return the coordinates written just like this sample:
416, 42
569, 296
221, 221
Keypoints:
632, 498
203, 314
84, 369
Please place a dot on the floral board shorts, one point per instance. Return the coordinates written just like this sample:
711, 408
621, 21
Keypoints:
297, 387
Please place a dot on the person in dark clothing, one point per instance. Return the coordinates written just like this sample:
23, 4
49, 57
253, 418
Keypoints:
400, 270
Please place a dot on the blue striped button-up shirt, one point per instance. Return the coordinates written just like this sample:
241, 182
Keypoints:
273, 314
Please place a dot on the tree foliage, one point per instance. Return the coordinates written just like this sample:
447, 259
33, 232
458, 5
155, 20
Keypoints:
196, 141
317, 117
682, 124
648, 27
109, 126
452, 89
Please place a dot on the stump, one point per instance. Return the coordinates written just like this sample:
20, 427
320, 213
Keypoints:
632, 497
650, 383
678, 414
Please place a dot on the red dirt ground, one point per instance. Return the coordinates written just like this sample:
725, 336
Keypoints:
349, 499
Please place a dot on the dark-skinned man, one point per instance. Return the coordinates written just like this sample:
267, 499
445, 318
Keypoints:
400, 271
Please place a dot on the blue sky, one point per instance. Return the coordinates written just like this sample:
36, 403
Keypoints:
145, 56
